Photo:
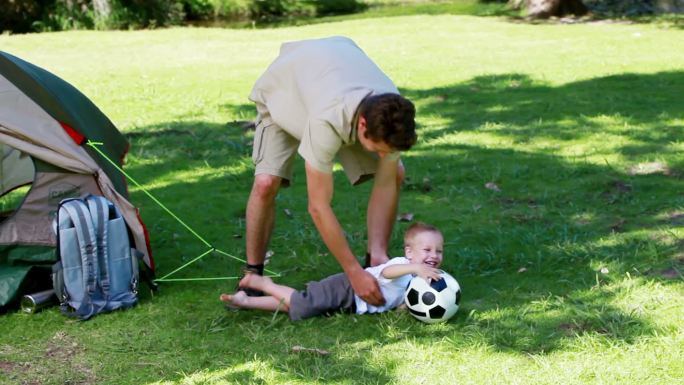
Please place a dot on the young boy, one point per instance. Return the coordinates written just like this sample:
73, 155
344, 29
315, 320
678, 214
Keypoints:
423, 248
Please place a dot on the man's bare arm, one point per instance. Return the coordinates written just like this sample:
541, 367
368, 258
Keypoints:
320, 193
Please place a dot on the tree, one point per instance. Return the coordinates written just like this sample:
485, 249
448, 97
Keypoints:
102, 8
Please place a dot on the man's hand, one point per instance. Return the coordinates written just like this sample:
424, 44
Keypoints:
377, 259
366, 287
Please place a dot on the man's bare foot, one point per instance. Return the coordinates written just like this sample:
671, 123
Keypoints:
238, 299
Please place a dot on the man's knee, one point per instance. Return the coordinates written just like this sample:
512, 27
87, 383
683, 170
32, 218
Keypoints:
266, 186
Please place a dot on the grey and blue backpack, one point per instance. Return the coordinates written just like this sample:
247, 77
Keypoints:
97, 270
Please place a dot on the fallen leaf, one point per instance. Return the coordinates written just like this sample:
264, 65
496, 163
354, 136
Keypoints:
492, 186
670, 273
405, 217
676, 218
427, 185
618, 225
268, 256
301, 349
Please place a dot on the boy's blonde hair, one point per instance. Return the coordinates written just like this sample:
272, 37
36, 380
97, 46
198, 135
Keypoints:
418, 227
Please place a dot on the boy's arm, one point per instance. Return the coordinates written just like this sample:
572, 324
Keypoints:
424, 271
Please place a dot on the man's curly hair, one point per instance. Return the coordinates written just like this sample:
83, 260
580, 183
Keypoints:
390, 118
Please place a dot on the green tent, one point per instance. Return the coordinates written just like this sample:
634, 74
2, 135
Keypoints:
44, 126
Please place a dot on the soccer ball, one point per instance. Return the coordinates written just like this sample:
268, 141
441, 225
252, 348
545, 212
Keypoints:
434, 302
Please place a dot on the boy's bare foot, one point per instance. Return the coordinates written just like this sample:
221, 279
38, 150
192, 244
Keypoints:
238, 299
254, 281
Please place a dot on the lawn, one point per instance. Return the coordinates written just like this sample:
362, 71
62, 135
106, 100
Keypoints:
550, 156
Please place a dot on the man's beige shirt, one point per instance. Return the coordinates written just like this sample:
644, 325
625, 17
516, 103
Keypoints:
312, 91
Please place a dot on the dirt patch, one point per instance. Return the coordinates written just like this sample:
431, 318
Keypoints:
7, 367
578, 328
64, 350
61, 347
670, 273
59, 361
676, 218
616, 190
618, 225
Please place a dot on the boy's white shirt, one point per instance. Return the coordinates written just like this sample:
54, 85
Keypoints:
392, 289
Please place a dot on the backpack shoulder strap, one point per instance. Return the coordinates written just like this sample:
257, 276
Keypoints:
99, 214
77, 212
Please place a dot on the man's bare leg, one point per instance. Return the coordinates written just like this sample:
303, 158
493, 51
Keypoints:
382, 213
260, 217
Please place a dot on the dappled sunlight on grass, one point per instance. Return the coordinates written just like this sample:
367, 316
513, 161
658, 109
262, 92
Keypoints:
550, 156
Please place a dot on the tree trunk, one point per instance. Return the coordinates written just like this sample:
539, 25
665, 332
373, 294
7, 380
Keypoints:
102, 8
543, 9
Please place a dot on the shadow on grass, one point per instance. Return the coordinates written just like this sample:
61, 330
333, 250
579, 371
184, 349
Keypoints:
528, 108
528, 254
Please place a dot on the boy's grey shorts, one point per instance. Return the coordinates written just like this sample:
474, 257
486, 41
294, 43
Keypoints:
330, 295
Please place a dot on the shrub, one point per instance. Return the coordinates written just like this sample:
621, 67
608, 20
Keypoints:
621, 7
18, 16
215, 9
145, 13
337, 7
56, 15
268, 9
265, 9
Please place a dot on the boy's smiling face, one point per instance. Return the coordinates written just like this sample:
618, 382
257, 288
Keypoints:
425, 247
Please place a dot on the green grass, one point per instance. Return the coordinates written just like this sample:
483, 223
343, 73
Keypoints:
571, 272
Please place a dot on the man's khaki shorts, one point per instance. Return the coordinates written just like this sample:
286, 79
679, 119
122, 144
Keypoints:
274, 153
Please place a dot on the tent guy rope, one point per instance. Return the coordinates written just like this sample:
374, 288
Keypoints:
94, 146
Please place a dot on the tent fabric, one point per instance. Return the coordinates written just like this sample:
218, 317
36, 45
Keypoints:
65, 104
36, 109
25, 126
16, 169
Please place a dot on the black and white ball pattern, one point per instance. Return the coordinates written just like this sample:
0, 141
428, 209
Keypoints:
433, 302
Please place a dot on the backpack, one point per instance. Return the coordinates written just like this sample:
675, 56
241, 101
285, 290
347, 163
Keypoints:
97, 270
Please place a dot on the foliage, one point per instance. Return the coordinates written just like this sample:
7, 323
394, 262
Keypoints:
65, 15
265, 9
261, 9
337, 7
621, 7
18, 16
145, 13
216, 9
123, 14
57, 15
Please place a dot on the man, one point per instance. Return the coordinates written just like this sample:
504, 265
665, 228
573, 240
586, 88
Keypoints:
326, 100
